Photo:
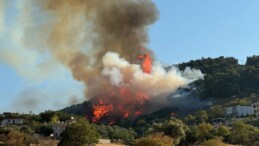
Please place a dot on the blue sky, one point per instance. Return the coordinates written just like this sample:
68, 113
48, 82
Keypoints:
191, 29
186, 30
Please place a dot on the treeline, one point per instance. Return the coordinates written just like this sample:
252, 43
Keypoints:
195, 129
224, 77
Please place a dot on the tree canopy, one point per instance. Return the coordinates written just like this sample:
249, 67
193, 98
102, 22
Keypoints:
224, 77
79, 133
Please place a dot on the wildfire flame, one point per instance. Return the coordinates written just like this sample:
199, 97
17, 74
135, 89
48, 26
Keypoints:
146, 65
101, 110
132, 102
130, 106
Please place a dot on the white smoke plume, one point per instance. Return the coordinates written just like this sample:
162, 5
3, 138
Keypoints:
158, 83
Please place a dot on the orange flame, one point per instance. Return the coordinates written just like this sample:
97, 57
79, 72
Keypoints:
147, 64
101, 110
128, 104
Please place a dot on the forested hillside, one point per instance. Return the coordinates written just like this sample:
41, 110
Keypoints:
224, 77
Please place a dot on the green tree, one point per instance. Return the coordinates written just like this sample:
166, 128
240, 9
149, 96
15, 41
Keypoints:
223, 131
252, 61
47, 116
242, 133
54, 119
221, 85
173, 127
78, 134
203, 131
65, 116
216, 112
123, 135
117, 134
190, 119
202, 116
41, 128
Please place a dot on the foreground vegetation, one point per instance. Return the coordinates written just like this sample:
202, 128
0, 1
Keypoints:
195, 129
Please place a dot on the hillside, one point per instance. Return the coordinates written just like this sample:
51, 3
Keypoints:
225, 80
224, 77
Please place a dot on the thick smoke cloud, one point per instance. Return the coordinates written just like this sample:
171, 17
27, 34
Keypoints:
98, 41
116, 25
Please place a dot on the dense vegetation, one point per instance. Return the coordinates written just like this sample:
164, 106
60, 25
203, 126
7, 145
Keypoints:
224, 77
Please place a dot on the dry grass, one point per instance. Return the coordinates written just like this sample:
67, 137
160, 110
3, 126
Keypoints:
109, 144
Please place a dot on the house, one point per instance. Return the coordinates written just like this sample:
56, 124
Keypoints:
11, 119
256, 108
239, 111
59, 128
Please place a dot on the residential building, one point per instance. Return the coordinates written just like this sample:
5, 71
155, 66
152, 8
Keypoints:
256, 108
11, 119
239, 111
59, 128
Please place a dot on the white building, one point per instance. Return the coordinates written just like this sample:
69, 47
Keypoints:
256, 108
11, 119
59, 128
239, 110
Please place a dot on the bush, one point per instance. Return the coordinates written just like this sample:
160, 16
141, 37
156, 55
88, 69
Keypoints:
26, 129
117, 134
214, 142
242, 133
79, 134
173, 127
18, 138
157, 139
